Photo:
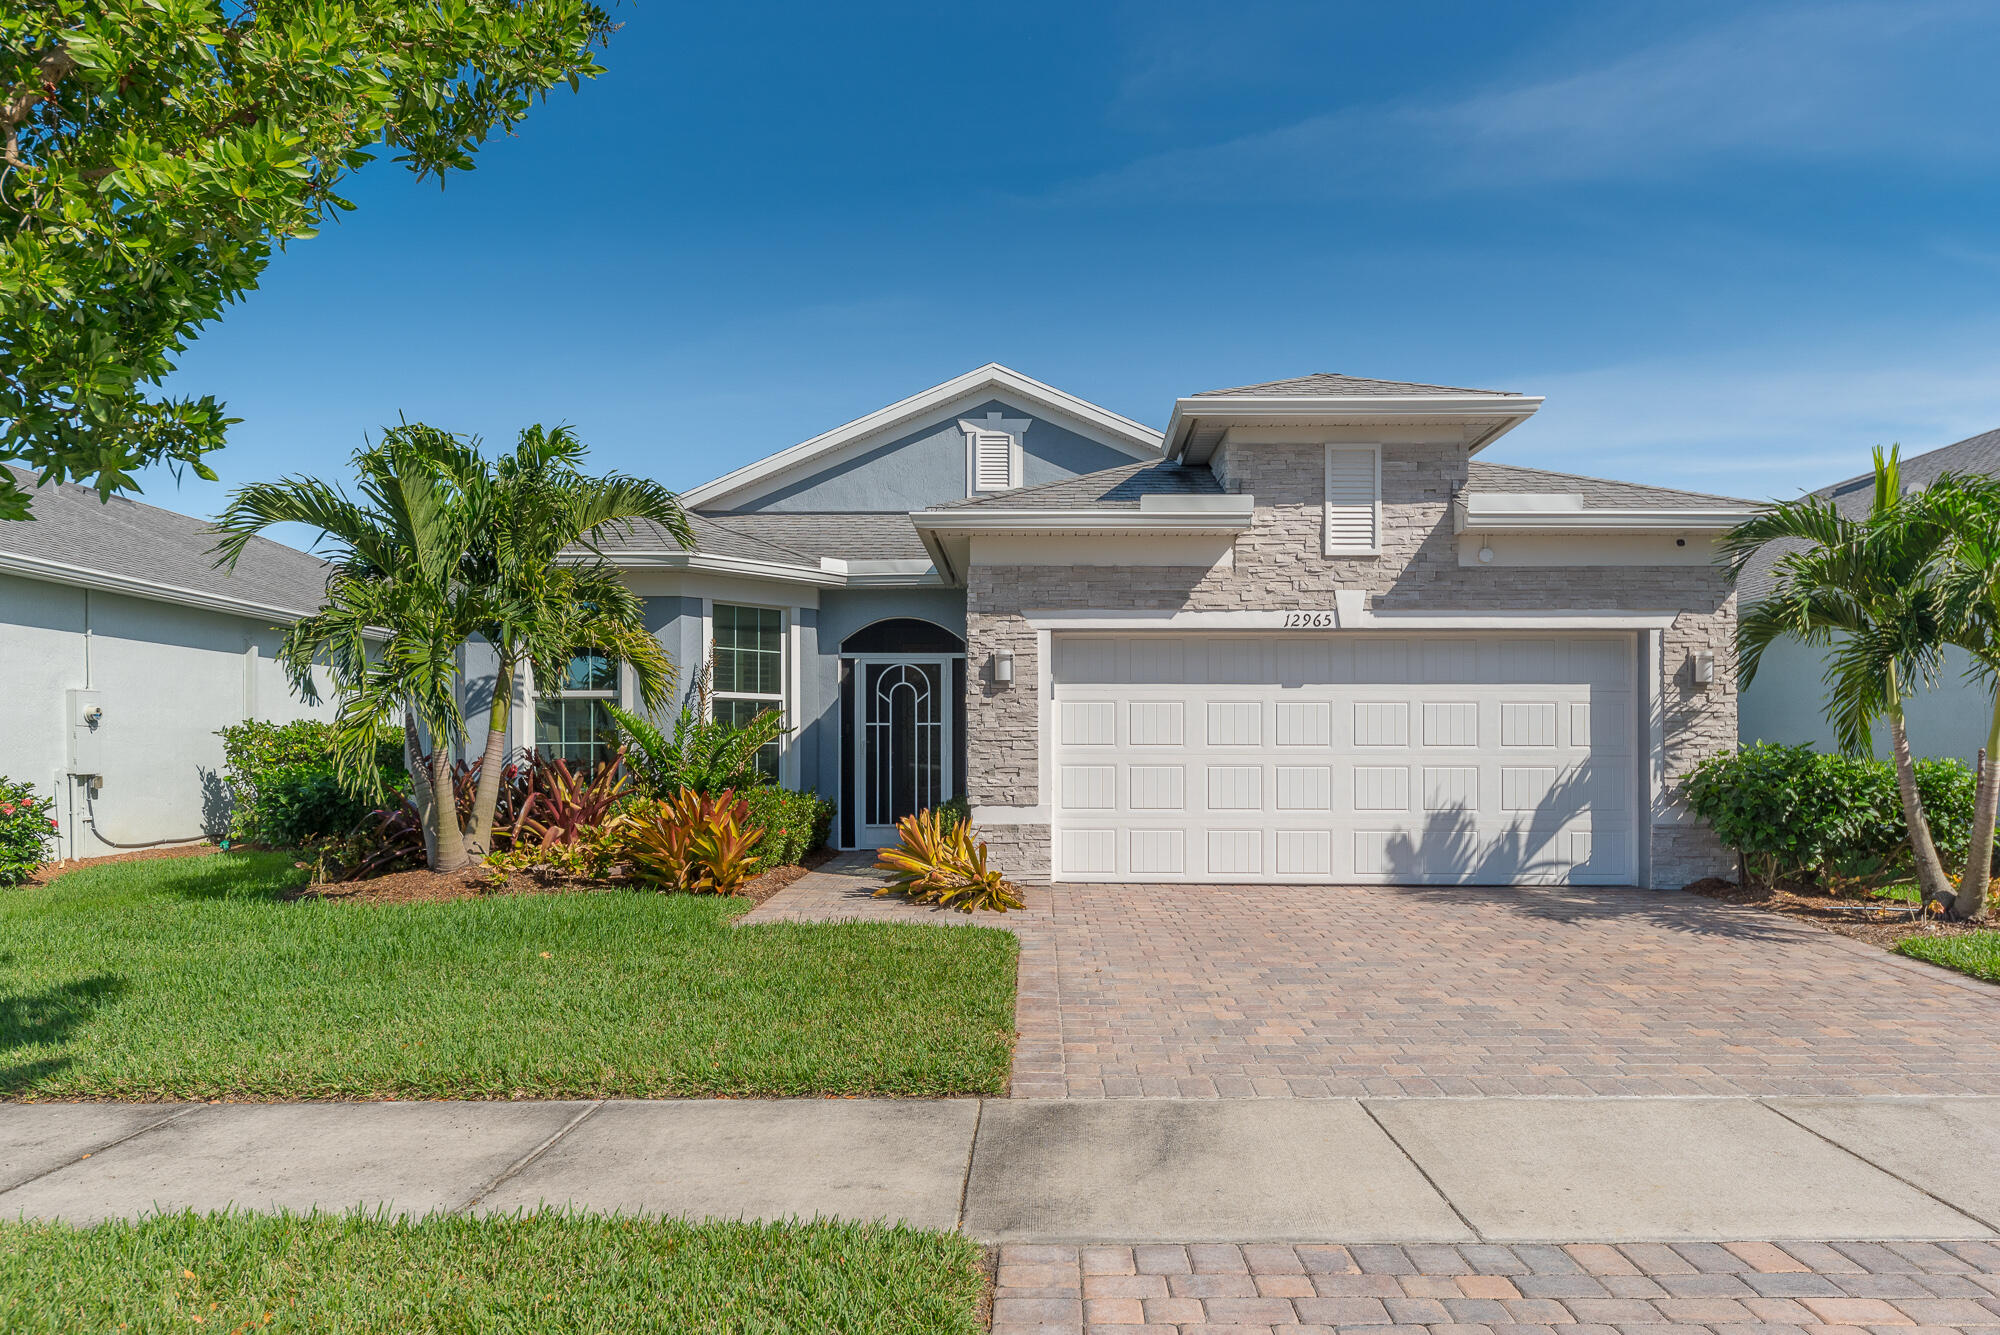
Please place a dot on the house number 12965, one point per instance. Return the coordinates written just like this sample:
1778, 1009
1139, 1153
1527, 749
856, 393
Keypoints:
1310, 621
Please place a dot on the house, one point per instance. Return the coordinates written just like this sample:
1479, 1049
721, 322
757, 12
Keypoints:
1785, 702
124, 650
1310, 633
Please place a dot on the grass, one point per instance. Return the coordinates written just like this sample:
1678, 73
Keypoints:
1976, 953
195, 979
544, 1272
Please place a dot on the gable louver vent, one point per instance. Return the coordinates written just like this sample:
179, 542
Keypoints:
1353, 500
992, 461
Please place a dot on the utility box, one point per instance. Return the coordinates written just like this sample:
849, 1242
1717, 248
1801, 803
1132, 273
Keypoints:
86, 733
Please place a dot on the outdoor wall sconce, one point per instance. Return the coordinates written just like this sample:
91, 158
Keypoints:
1701, 666
1003, 667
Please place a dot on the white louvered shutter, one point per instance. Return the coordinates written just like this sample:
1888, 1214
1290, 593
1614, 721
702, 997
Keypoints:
1353, 509
992, 461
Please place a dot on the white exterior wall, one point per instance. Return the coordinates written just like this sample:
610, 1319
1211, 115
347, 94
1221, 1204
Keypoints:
167, 678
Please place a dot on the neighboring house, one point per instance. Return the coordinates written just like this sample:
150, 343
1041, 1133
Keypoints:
1786, 701
1308, 635
124, 650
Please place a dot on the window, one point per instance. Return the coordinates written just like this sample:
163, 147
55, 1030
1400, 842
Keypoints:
572, 723
992, 452
749, 669
1353, 500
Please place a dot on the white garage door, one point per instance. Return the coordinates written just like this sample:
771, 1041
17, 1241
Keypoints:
1480, 758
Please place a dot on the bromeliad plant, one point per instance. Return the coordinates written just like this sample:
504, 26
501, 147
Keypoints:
942, 864
691, 842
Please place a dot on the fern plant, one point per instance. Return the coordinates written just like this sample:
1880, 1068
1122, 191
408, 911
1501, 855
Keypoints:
703, 753
942, 864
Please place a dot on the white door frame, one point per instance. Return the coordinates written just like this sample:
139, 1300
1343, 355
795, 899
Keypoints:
875, 836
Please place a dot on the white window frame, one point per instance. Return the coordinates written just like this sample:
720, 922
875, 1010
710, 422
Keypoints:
787, 663
993, 424
1330, 547
531, 706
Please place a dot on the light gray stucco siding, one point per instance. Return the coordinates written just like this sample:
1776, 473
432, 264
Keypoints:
167, 678
1787, 704
922, 467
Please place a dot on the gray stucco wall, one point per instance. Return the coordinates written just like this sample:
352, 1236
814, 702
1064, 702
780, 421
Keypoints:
168, 677
1785, 704
924, 467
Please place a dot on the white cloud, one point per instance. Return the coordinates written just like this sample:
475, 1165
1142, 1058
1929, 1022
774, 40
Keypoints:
1849, 81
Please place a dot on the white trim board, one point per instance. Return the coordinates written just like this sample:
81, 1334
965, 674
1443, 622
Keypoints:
991, 381
57, 572
1343, 618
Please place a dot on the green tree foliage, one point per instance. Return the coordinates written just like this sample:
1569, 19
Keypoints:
156, 152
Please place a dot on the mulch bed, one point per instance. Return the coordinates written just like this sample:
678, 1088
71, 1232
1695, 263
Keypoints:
49, 871
423, 886
1872, 920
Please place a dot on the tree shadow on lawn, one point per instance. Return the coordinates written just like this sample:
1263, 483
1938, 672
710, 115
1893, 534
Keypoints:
240, 874
47, 1018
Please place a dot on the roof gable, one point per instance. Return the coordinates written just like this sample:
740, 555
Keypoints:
940, 403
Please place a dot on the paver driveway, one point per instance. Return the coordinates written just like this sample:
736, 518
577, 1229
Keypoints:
1232, 991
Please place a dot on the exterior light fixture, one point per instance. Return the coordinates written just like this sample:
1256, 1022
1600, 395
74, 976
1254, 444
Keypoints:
1701, 666
1485, 554
1003, 667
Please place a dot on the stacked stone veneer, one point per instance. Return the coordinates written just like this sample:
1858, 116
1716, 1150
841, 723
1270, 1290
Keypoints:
1279, 565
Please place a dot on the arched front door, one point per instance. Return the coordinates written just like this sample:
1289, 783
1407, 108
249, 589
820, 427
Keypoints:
903, 709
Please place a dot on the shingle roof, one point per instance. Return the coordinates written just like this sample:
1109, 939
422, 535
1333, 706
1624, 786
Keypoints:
710, 537
848, 535
128, 539
1331, 384
1853, 496
1598, 493
1113, 489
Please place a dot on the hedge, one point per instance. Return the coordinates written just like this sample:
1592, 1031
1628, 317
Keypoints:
27, 830
1794, 813
282, 784
794, 823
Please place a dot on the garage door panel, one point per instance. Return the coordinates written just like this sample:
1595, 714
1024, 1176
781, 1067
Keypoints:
1496, 757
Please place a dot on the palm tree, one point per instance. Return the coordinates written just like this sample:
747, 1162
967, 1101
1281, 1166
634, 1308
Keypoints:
1867, 591
547, 588
398, 609
1967, 507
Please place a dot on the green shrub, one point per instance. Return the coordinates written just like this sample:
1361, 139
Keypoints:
1794, 813
953, 814
283, 787
26, 830
794, 823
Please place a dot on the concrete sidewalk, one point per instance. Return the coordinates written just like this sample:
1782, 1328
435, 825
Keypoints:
1132, 1171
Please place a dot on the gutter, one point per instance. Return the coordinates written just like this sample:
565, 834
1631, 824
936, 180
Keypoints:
1171, 515
1622, 521
80, 577
1507, 411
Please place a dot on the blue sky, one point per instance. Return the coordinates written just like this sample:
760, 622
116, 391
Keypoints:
1734, 245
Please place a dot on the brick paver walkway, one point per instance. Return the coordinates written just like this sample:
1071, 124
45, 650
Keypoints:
1291, 991
1738, 1288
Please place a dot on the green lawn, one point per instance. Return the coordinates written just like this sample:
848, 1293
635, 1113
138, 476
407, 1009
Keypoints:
570, 1273
1976, 953
193, 978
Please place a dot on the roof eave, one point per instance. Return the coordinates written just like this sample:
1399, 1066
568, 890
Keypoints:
82, 577
1623, 521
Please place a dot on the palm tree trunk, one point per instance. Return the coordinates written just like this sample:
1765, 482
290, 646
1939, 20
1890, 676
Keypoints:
1972, 887
444, 799
1931, 879
421, 795
487, 796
